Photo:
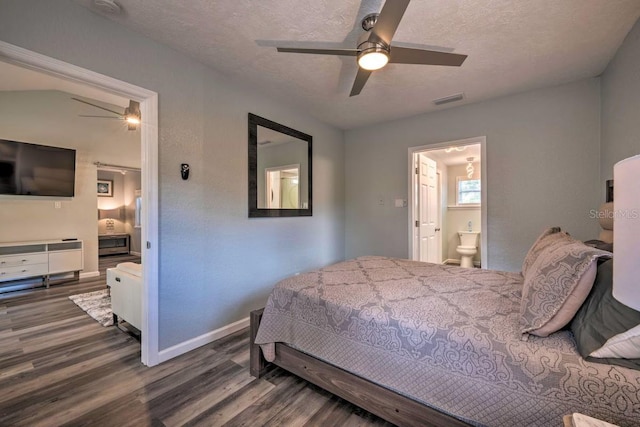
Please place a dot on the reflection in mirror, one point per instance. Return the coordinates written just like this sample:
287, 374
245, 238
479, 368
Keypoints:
279, 170
282, 189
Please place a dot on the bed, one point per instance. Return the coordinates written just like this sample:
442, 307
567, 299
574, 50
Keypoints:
427, 344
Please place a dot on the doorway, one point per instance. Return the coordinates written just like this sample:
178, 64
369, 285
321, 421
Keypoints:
448, 202
149, 154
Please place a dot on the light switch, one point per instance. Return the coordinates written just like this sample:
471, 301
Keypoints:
401, 203
57, 205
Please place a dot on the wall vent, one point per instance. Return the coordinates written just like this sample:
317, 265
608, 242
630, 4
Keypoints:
448, 99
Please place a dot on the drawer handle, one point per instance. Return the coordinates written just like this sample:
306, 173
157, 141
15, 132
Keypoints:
25, 260
117, 279
24, 271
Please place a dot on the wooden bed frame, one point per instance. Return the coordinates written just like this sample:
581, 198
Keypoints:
386, 404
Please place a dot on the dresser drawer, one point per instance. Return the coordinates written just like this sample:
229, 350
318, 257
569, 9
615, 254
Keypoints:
24, 259
24, 271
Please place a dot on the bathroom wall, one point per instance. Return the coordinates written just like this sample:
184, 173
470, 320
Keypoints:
457, 218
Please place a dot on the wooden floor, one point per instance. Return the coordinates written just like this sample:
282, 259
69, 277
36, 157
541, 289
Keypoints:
60, 367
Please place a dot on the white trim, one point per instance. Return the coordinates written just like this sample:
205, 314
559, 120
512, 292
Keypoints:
135, 253
204, 339
482, 140
89, 274
149, 147
463, 207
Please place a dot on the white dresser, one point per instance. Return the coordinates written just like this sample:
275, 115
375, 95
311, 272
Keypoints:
23, 260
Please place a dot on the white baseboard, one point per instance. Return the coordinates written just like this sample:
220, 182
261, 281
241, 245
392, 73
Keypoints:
209, 337
87, 274
135, 253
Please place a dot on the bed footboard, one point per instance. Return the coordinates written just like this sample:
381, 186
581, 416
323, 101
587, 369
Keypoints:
391, 406
258, 366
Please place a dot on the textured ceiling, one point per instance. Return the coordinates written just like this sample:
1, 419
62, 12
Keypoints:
513, 46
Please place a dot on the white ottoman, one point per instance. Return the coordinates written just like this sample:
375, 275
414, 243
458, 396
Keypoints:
125, 282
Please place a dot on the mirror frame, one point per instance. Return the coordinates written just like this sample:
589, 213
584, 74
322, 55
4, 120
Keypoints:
254, 210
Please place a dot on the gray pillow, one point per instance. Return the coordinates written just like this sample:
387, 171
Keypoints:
537, 247
557, 283
602, 317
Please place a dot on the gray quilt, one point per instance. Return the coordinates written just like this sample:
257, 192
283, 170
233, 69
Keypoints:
447, 337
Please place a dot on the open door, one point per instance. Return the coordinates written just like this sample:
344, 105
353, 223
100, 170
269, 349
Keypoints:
428, 227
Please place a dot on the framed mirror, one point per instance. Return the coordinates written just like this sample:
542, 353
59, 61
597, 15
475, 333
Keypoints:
279, 170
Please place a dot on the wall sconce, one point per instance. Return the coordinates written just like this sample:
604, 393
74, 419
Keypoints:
110, 215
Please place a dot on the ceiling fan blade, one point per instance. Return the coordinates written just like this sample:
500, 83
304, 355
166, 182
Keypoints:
100, 117
361, 79
407, 55
342, 52
388, 21
97, 106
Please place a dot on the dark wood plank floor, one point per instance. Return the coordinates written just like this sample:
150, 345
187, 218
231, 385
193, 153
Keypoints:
60, 367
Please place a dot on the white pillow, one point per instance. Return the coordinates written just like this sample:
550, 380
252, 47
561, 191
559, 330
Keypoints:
622, 346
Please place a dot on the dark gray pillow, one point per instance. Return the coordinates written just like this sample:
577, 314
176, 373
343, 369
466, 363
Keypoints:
602, 317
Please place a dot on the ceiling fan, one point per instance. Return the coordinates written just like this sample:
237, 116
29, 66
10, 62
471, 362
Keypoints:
374, 48
131, 114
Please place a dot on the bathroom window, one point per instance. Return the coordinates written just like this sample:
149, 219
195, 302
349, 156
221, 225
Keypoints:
468, 191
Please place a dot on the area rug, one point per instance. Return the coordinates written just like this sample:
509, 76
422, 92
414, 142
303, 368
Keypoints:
97, 305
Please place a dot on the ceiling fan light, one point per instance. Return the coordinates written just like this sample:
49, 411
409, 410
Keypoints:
132, 116
132, 119
373, 60
372, 56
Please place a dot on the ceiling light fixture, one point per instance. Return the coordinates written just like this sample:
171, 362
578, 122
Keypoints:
372, 56
470, 168
450, 149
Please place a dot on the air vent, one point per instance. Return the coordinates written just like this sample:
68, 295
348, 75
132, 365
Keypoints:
448, 99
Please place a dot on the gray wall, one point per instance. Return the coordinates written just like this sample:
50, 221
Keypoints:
542, 170
215, 264
621, 105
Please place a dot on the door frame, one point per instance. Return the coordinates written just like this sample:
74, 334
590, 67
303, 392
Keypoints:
149, 165
412, 196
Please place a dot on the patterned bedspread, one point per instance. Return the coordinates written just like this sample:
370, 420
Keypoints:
447, 337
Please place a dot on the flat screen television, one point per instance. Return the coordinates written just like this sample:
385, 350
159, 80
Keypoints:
36, 170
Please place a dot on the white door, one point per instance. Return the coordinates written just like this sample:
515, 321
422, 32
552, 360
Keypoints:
273, 189
427, 209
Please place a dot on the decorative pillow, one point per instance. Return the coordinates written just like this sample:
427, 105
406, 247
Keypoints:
601, 319
557, 283
537, 247
625, 345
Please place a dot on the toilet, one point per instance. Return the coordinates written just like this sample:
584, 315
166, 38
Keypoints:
468, 247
